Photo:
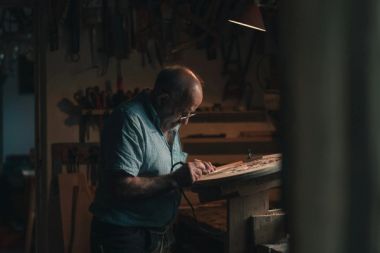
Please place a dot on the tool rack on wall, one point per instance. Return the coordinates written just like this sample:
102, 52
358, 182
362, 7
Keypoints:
76, 157
92, 116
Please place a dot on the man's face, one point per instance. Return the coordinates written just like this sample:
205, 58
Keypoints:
179, 113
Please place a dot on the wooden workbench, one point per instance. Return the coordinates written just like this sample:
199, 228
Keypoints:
245, 186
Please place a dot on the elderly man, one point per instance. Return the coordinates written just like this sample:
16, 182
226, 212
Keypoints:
143, 166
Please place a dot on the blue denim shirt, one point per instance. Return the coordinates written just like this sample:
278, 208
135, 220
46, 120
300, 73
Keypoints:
133, 142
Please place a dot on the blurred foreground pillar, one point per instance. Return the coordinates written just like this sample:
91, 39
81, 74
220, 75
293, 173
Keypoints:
331, 122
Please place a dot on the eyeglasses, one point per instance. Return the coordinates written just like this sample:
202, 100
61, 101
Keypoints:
182, 118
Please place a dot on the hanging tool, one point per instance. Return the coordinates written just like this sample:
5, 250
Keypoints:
130, 23
142, 23
211, 18
108, 95
232, 55
92, 15
89, 98
74, 204
148, 32
114, 32
53, 26
72, 160
167, 14
119, 96
105, 36
120, 43
72, 24
92, 165
119, 75
80, 98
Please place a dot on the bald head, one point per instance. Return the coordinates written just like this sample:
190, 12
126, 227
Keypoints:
180, 83
177, 93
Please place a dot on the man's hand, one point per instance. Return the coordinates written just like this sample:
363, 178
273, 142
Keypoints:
208, 167
191, 172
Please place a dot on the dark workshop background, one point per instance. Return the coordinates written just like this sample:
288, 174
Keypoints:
329, 121
51, 62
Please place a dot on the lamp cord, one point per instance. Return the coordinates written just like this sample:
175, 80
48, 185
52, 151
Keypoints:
192, 207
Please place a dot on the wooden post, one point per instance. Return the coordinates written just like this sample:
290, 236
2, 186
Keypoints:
40, 47
239, 210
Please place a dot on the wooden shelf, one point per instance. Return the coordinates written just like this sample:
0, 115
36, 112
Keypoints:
262, 138
95, 112
229, 116
230, 146
205, 117
226, 121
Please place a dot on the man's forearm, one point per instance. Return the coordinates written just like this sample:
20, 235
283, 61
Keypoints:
144, 187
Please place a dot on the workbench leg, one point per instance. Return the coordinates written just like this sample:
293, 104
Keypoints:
239, 210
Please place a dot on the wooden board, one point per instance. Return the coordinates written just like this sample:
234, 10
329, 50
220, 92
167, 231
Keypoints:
232, 130
218, 159
267, 228
67, 182
266, 164
83, 217
75, 217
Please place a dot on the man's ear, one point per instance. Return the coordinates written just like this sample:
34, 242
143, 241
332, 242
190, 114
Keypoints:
163, 99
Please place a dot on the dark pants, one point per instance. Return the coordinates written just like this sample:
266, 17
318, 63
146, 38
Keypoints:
109, 238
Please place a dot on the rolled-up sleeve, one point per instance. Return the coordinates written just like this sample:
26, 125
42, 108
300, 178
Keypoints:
123, 144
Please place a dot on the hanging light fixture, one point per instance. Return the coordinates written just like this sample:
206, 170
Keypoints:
251, 18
